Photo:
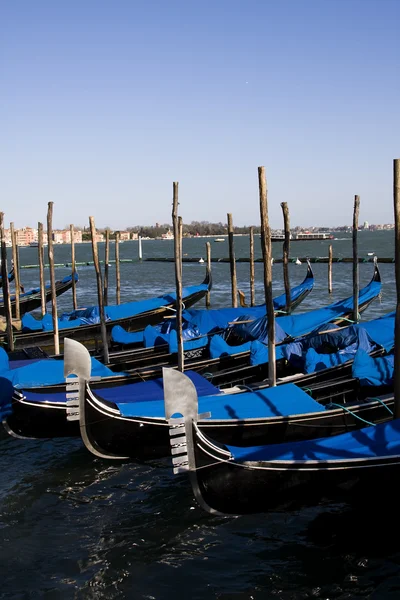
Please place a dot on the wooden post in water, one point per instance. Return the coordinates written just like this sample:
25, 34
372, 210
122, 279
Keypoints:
396, 200
106, 266
267, 256
140, 247
117, 269
73, 266
355, 259
41, 269
252, 294
286, 253
52, 277
6, 286
330, 270
208, 250
13, 235
178, 274
99, 290
232, 261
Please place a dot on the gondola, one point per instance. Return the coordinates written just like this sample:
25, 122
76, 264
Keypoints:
359, 466
40, 402
31, 299
217, 319
84, 324
114, 423
129, 421
228, 365
210, 354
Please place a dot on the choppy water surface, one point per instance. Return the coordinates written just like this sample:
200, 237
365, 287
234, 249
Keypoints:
73, 526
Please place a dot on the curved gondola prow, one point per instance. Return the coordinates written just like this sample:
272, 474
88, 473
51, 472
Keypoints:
310, 273
181, 412
77, 362
208, 279
377, 275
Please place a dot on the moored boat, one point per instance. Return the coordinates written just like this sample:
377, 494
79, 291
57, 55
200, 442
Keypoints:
30, 300
84, 324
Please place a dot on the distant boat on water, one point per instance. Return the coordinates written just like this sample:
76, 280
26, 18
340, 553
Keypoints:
36, 244
219, 240
297, 237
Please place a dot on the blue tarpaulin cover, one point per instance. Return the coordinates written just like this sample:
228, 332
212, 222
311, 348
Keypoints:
373, 371
42, 372
282, 400
200, 322
112, 313
380, 440
131, 392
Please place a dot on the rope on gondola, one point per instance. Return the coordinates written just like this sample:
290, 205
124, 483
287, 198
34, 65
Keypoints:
351, 413
383, 404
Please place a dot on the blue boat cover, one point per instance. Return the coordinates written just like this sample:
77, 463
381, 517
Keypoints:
112, 313
258, 330
131, 393
373, 371
282, 400
325, 350
369, 442
219, 347
259, 353
120, 336
296, 325
200, 322
315, 352
47, 371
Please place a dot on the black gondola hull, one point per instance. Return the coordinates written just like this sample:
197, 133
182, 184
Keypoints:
143, 438
230, 488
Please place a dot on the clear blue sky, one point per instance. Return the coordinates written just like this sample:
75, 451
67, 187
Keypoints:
105, 104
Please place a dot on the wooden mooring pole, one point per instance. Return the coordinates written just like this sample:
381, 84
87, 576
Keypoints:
13, 234
396, 201
208, 295
41, 269
232, 261
140, 251
355, 258
117, 270
330, 269
106, 266
178, 273
52, 277
267, 255
73, 266
99, 289
6, 286
286, 253
252, 294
